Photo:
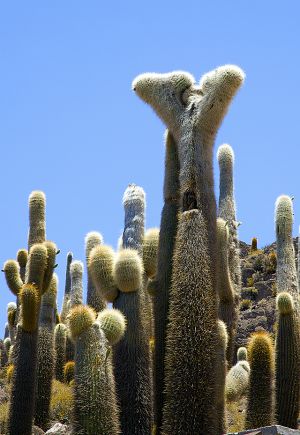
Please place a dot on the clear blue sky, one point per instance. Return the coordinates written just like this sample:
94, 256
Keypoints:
72, 127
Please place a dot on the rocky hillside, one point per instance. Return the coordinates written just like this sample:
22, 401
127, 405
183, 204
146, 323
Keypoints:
259, 290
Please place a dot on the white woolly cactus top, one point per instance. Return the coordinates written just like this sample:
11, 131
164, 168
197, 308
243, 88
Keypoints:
152, 86
285, 303
284, 215
225, 156
76, 268
134, 193
224, 79
37, 196
11, 306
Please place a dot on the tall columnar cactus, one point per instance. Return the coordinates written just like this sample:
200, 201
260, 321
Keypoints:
66, 307
67, 293
193, 115
121, 281
94, 298
227, 297
227, 211
287, 280
260, 407
60, 340
39, 270
132, 354
95, 404
46, 356
24, 378
237, 379
160, 286
76, 296
221, 377
287, 363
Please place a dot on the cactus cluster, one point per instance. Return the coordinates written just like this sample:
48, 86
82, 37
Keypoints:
161, 361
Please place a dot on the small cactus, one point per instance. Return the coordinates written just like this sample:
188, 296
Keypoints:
242, 354
260, 407
237, 379
253, 245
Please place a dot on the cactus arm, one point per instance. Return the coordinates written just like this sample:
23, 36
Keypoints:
94, 298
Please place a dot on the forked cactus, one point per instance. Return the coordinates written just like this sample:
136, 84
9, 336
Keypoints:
192, 114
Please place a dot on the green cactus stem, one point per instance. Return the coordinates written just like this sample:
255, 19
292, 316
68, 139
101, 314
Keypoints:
95, 403
226, 292
60, 340
46, 356
260, 407
94, 298
287, 280
287, 363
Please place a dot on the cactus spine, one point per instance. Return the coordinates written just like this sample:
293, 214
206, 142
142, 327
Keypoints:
60, 340
287, 363
227, 211
260, 407
46, 357
94, 298
192, 114
96, 409
287, 280
132, 354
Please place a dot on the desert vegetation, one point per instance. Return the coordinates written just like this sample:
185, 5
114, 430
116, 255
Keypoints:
158, 346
